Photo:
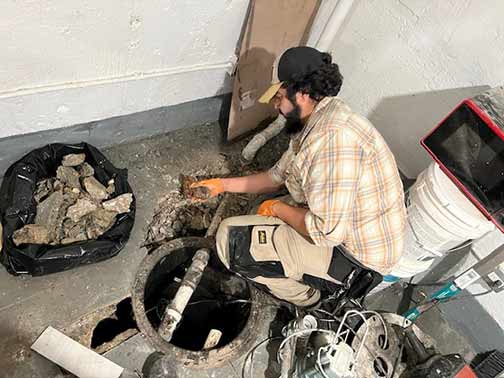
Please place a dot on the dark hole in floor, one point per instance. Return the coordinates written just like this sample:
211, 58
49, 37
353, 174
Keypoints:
382, 342
121, 321
380, 367
221, 302
196, 232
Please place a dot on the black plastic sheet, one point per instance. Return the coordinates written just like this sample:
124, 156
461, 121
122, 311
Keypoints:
18, 208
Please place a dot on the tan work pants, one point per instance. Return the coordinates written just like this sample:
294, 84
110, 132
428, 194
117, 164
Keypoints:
271, 240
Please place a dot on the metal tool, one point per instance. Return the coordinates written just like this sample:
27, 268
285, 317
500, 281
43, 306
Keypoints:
433, 365
450, 290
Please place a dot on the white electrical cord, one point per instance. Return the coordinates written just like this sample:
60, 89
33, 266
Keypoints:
319, 362
298, 333
355, 333
352, 313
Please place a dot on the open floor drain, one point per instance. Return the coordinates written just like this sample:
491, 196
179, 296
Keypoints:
106, 327
223, 303
121, 322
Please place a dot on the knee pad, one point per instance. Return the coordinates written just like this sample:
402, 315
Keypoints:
242, 260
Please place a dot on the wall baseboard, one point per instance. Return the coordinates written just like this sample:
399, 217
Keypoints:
51, 107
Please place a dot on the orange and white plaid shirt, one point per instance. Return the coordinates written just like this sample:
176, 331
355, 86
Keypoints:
342, 169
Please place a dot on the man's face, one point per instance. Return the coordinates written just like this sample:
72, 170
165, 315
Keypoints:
292, 112
282, 103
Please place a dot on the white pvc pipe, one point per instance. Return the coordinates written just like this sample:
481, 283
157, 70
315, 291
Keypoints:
333, 24
260, 139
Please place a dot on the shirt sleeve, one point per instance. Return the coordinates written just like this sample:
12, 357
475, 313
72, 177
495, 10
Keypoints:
331, 179
278, 172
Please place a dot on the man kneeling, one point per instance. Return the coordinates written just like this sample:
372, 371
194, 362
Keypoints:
346, 202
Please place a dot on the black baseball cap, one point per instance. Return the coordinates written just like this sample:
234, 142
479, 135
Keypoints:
295, 61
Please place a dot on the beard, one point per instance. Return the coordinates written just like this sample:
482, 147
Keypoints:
294, 123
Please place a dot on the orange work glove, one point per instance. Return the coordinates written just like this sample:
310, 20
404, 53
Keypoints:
266, 208
214, 186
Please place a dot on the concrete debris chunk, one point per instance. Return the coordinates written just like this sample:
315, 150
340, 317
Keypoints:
68, 176
121, 204
71, 195
68, 212
48, 214
44, 188
86, 170
82, 207
95, 189
73, 160
57, 185
31, 234
111, 187
73, 229
98, 222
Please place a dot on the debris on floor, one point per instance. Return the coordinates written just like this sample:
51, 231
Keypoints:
73, 206
189, 211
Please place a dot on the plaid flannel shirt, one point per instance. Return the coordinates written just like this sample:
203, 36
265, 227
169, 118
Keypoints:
342, 169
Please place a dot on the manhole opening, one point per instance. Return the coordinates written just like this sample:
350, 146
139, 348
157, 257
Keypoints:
220, 302
122, 321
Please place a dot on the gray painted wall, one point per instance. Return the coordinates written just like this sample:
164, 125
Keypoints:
117, 130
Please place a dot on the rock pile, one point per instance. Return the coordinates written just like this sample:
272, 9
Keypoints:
188, 211
73, 206
177, 216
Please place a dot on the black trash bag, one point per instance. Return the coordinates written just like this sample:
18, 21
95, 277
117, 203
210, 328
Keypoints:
18, 208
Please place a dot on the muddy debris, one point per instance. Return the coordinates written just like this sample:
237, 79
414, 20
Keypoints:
178, 214
197, 193
71, 207
173, 216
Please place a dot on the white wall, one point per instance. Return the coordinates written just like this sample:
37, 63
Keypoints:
64, 63
405, 60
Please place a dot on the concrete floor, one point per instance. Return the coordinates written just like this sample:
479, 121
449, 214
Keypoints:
29, 304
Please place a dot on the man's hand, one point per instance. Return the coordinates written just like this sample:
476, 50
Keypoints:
214, 186
267, 208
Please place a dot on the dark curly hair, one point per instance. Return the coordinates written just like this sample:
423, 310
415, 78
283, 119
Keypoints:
324, 82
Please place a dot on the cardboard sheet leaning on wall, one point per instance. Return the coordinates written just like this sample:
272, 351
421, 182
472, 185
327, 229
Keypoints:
18, 208
272, 27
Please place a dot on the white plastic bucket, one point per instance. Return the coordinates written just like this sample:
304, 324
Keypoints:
440, 218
